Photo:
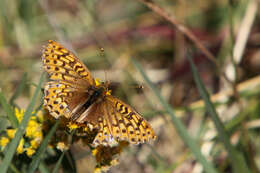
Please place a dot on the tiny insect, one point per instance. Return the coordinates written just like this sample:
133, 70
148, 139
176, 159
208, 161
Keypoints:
75, 94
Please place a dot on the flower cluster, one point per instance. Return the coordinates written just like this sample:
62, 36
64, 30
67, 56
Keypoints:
66, 134
33, 134
105, 155
69, 132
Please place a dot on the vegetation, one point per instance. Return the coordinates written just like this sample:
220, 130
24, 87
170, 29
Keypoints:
190, 68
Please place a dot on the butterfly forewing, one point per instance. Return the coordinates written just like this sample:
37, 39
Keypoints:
61, 64
71, 80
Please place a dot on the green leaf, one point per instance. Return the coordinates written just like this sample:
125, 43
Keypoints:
3, 123
14, 169
43, 168
180, 128
69, 163
19, 89
8, 110
238, 162
20, 131
57, 166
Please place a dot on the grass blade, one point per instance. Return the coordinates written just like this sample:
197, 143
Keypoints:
14, 169
57, 166
3, 123
180, 128
238, 162
19, 89
20, 131
8, 110
43, 168
37, 157
69, 163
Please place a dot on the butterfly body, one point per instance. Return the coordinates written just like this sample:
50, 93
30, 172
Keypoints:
98, 95
73, 93
94, 95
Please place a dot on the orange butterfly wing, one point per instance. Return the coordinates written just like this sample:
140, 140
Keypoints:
117, 121
70, 80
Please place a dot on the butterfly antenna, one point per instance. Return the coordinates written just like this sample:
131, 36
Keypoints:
105, 71
106, 79
102, 50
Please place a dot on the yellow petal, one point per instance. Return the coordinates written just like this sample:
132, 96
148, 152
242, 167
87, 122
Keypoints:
30, 151
4, 141
11, 133
20, 149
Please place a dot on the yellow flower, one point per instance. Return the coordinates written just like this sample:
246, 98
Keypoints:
62, 146
114, 162
35, 143
105, 168
33, 132
30, 151
86, 129
11, 133
72, 126
4, 141
33, 117
19, 114
97, 170
38, 135
19, 149
40, 116
33, 123
94, 152
33, 128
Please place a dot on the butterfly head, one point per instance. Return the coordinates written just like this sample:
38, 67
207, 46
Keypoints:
104, 85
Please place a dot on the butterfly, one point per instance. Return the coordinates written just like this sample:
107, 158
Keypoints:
76, 95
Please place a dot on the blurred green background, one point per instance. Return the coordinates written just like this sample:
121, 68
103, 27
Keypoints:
129, 29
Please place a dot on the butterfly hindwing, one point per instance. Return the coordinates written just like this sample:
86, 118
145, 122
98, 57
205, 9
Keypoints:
95, 117
137, 128
120, 122
54, 98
